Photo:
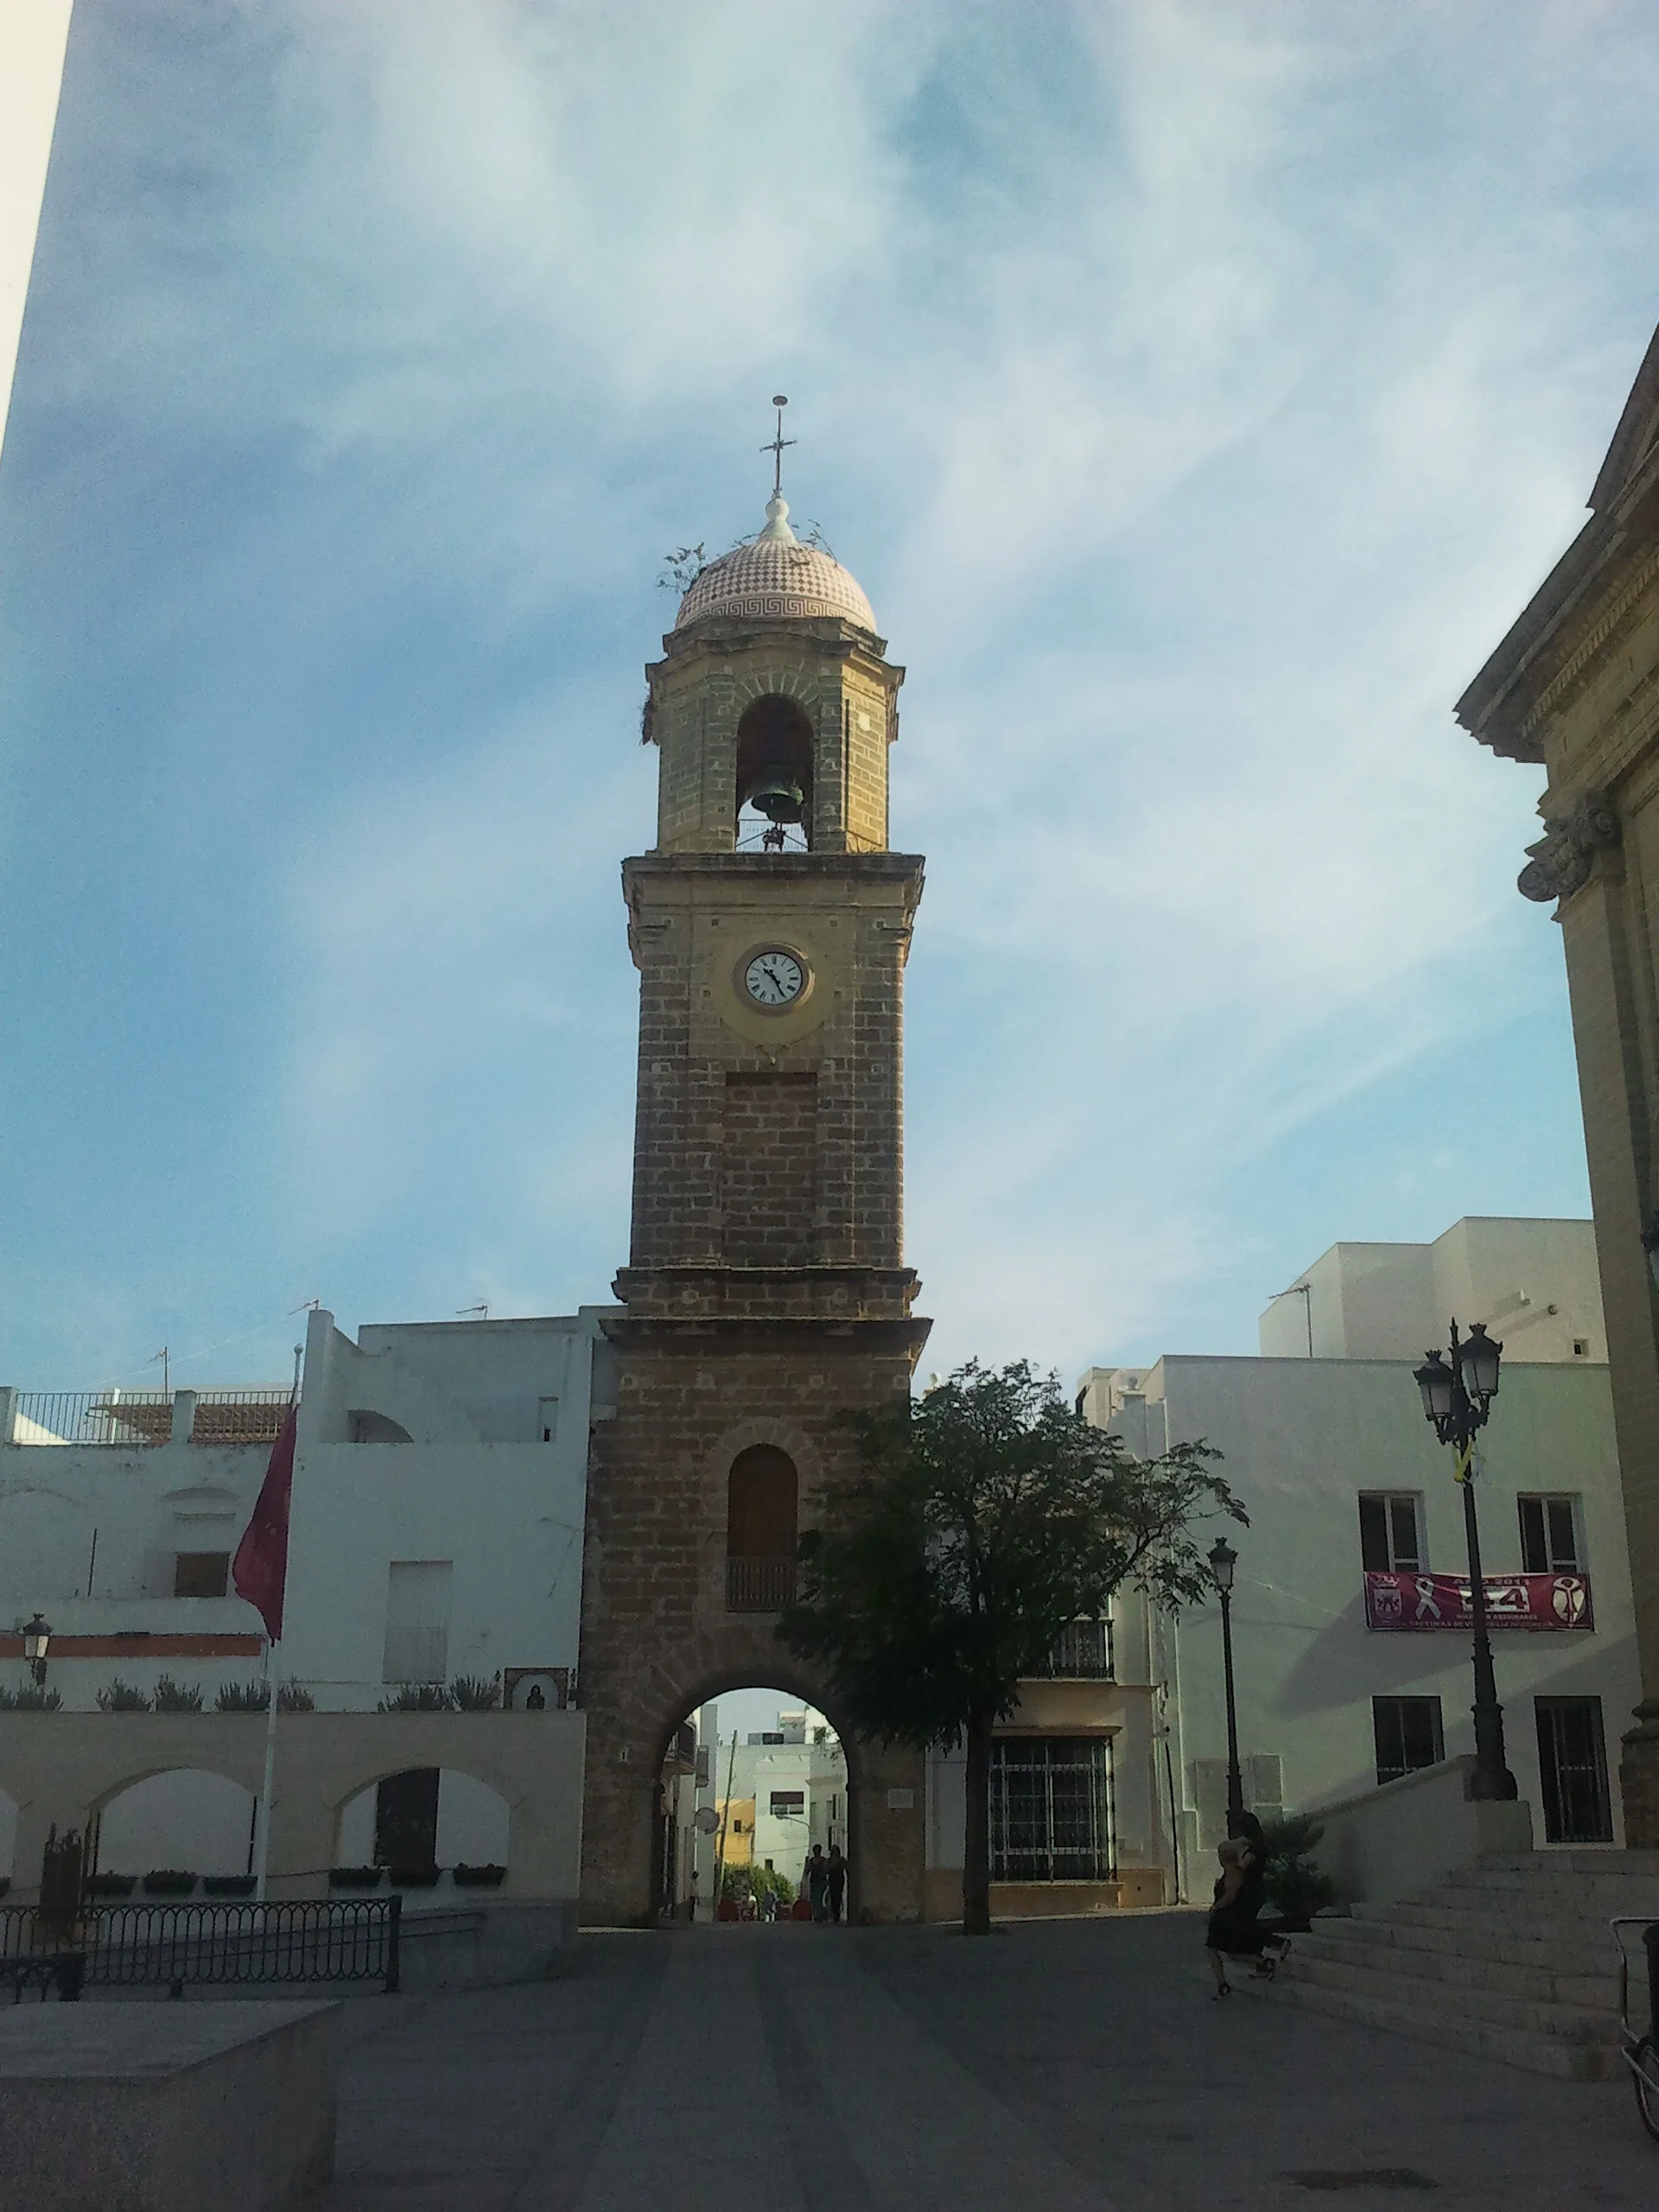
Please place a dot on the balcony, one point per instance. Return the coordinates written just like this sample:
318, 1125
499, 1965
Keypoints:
759, 1585
1083, 1654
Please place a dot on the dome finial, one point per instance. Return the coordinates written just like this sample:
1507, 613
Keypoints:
775, 445
777, 521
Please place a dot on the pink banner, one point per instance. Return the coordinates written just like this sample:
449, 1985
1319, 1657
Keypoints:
1424, 1601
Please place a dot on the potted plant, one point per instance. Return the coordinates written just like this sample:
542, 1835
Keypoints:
354, 1878
479, 1877
121, 1697
228, 1885
1295, 1885
169, 1882
417, 1697
176, 1697
112, 1885
475, 1693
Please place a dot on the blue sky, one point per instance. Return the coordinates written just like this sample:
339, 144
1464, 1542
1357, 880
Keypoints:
1196, 391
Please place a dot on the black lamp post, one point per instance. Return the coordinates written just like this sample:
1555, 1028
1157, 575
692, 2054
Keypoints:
36, 1636
1456, 1402
1223, 1560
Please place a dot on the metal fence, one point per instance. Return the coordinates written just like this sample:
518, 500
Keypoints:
239, 1417
132, 1419
135, 1419
759, 1585
148, 1946
1082, 1654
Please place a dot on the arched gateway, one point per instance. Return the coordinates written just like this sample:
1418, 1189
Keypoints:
765, 1294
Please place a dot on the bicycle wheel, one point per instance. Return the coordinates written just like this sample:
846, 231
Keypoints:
1642, 2059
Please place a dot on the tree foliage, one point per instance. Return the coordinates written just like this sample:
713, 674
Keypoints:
985, 1517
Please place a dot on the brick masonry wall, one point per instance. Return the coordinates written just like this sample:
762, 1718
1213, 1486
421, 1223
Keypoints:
769, 1158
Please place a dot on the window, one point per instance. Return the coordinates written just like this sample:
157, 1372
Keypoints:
417, 1621
1408, 1731
1052, 1809
1549, 1536
1084, 1652
1390, 1532
547, 1418
202, 1574
760, 1509
787, 1804
1581, 1347
1573, 1771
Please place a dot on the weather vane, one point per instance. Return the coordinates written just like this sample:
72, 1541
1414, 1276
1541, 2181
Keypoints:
775, 445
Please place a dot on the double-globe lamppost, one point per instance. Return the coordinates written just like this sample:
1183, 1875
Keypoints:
1223, 1560
1457, 1393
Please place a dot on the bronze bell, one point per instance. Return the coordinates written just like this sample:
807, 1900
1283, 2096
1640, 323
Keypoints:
777, 797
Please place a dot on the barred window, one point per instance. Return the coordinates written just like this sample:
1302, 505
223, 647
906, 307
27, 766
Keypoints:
1052, 1809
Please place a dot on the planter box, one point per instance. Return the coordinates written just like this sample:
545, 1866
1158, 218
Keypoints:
479, 1877
354, 1878
164, 1883
112, 1885
228, 1885
413, 1877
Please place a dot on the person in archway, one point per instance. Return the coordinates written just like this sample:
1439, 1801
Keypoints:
817, 1883
837, 1881
536, 1700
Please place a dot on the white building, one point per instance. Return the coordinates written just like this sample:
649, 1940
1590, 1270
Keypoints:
1348, 1672
435, 1540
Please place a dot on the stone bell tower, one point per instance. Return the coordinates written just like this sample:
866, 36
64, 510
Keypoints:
766, 1292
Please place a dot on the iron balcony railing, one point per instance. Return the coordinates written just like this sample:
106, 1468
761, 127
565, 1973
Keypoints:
134, 1420
128, 1947
1083, 1654
759, 1585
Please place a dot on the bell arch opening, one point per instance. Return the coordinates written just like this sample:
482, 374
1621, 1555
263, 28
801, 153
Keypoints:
762, 1514
774, 776
753, 1814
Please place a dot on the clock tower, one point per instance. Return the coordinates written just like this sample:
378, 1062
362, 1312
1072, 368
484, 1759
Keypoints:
765, 1294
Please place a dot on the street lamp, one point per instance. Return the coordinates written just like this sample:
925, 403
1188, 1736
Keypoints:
36, 1636
1223, 1560
1458, 1394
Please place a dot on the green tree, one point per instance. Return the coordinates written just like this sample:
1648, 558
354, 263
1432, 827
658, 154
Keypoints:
986, 1516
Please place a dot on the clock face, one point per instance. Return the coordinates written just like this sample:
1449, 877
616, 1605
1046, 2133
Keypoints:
774, 978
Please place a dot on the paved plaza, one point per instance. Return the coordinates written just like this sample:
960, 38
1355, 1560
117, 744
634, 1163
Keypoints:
1059, 2067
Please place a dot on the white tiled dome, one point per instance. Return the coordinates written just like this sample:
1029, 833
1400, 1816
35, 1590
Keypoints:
775, 575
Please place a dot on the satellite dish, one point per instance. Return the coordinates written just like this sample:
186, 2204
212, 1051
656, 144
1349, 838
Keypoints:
707, 1820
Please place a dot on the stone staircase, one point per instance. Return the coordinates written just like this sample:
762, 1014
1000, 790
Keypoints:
1512, 1958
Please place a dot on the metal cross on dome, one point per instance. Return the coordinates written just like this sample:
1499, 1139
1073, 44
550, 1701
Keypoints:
775, 445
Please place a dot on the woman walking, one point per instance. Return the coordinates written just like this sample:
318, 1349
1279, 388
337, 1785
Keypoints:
1231, 1932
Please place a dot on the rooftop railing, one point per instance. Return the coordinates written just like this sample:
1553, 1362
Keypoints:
135, 1420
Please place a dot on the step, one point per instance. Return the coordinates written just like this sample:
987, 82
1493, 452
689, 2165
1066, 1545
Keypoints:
1579, 1858
1611, 1881
1593, 1986
1587, 1952
1453, 1921
1420, 1993
1512, 2046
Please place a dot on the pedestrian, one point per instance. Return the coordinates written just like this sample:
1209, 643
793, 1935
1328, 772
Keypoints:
837, 1882
1231, 1932
817, 1883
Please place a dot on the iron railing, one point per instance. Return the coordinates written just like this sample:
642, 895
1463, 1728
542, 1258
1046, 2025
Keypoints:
239, 1417
145, 1945
759, 1585
134, 1420
1083, 1653
131, 1419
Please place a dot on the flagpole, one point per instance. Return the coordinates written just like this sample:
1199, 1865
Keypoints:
262, 1842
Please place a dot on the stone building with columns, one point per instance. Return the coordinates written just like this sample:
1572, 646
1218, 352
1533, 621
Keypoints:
1574, 688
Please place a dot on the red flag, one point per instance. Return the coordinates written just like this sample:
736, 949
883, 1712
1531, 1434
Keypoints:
259, 1570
